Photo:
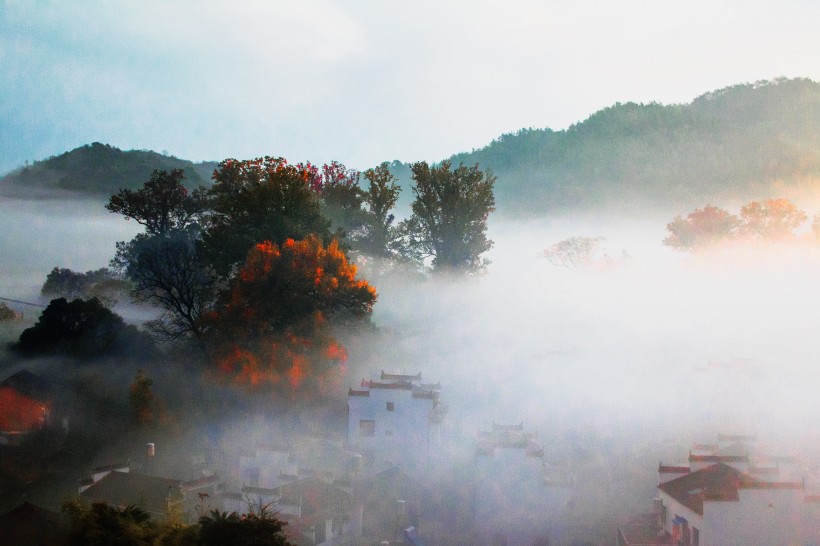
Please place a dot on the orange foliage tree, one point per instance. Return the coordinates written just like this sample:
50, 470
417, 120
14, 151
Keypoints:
700, 228
273, 324
771, 219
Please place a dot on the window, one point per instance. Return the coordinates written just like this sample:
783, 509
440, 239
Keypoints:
367, 427
390, 406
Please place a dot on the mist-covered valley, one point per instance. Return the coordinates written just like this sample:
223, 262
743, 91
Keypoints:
616, 364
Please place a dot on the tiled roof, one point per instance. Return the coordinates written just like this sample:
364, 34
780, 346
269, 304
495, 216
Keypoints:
403, 385
107, 467
121, 489
693, 458
719, 482
673, 469
30, 384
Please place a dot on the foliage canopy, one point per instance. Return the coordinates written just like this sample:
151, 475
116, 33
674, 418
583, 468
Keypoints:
450, 211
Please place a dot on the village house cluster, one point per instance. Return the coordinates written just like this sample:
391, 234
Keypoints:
730, 493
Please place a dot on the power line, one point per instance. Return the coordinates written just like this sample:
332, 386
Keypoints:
22, 302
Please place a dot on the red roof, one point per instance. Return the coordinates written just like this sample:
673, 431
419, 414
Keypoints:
673, 469
719, 482
718, 458
121, 489
20, 412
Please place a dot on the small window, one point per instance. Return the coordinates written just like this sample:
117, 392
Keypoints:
390, 406
367, 427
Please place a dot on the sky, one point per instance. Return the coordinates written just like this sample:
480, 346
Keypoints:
365, 81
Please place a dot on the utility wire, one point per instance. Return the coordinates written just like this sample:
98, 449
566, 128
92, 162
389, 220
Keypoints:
22, 302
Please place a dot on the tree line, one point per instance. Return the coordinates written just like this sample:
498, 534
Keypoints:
765, 220
257, 269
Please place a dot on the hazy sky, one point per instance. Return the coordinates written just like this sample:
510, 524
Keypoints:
364, 81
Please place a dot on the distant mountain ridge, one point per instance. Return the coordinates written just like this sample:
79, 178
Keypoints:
747, 140
743, 142
97, 170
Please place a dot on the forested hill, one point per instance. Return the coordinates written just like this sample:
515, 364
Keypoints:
742, 141
98, 169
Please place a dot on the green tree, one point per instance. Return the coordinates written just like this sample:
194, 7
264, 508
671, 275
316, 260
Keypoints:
169, 271
340, 197
379, 236
263, 199
103, 525
82, 328
258, 528
165, 263
163, 204
450, 211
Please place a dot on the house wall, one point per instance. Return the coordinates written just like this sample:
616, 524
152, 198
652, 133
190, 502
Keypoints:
404, 431
761, 516
675, 508
510, 494
265, 467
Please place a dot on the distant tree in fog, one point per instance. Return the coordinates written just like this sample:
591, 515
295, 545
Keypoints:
6, 313
770, 219
701, 228
573, 252
450, 211
103, 284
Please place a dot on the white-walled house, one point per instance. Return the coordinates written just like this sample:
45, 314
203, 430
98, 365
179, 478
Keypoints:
518, 498
721, 506
397, 417
730, 494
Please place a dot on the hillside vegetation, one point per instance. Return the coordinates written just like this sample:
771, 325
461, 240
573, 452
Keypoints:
743, 142
738, 142
99, 170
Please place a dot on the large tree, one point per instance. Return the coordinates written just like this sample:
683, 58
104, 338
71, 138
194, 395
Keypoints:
450, 211
165, 263
169, 271
263, 199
